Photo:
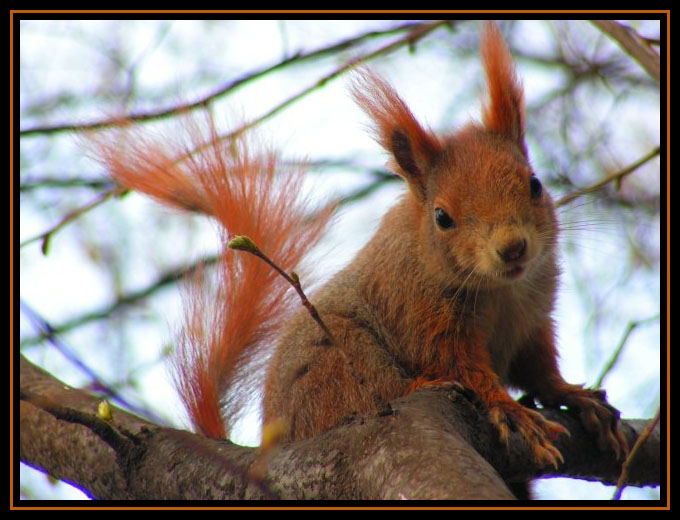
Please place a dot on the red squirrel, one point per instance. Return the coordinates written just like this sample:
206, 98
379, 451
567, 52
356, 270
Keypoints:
458, 283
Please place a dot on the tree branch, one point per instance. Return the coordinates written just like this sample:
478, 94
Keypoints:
223, 90
615, 177
635, 46
432, 444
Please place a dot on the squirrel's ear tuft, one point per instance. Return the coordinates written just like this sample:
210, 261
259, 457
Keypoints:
503, 113
412, 147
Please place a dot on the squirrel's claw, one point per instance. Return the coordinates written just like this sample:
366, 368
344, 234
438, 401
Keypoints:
536, 430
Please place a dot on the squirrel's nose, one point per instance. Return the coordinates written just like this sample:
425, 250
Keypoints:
513, 251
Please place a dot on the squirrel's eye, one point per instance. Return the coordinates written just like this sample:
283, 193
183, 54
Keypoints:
536, 187
444, 221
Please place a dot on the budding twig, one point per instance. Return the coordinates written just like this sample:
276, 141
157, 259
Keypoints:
244, 243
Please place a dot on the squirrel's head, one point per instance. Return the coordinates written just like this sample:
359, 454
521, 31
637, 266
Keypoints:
485, 216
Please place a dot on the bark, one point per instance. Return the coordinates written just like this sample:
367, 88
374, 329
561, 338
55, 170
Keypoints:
432, 444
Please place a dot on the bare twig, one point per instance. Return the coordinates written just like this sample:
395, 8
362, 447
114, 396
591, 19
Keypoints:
97, 383
54, 182
413, 36
634, 45
220, 91
409, 39
45, 236
633, 452
124, 301
613, 177
617, 351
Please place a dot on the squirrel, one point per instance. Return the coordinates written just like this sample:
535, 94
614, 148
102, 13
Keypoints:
458, 283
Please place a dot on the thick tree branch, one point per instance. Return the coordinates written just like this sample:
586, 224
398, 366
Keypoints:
427, 446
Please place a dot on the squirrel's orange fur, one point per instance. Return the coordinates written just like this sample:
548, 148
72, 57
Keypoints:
458, 283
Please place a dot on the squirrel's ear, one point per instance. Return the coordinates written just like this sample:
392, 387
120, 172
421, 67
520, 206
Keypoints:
412, 147
503, 113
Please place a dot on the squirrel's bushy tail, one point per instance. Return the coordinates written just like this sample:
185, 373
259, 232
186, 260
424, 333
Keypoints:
249, 193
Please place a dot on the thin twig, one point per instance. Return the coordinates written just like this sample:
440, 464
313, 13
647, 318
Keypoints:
53, 182
617, 351
220, 91
124, 301
635, 46
244, 243
45, 236
413, 36
633, 452
409, 39
613, 177
97, 383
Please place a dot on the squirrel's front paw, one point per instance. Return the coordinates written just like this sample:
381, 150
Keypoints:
598, 417
536, 430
